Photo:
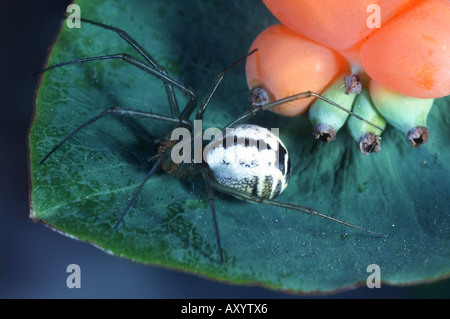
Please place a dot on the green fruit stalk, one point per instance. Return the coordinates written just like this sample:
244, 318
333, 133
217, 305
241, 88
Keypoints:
327, 119
365, 134
407, 114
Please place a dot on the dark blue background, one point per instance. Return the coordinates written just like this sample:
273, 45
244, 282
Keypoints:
33, 258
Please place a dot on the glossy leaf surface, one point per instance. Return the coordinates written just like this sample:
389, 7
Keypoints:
84, 186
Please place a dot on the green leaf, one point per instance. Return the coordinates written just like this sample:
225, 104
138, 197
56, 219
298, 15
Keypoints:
83, 187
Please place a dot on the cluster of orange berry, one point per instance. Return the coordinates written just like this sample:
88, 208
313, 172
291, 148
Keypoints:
384, 60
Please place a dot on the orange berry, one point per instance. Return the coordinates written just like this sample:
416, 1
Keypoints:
411, 53
338, 24
286, 63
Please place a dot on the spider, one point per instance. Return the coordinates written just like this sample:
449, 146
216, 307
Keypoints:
248, 162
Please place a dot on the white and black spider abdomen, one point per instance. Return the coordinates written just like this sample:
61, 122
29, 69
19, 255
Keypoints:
251, 159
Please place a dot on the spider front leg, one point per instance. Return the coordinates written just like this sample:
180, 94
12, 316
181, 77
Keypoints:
187, 111
173, 104
308, 94
149, 69
112, 110
217, 82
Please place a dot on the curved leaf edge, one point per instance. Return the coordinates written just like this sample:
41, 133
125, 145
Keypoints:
176, 266
39, 75
225, 280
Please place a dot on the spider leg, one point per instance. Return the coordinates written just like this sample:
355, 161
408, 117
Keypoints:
147, 68
298, 96
217, 82
311, 211
113, 110
138, 190
303, 209
210, 193
173, 104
